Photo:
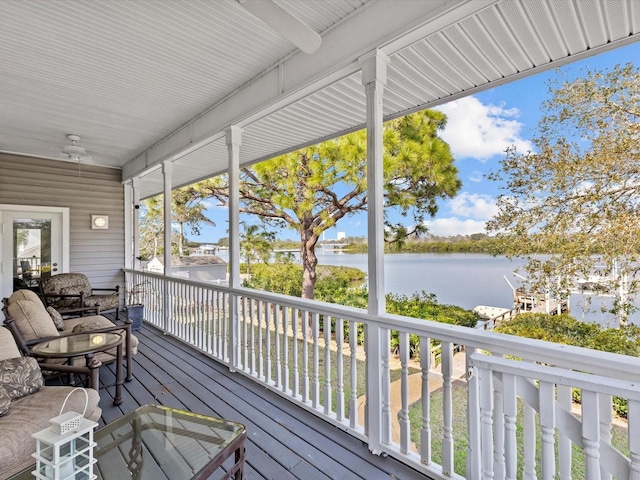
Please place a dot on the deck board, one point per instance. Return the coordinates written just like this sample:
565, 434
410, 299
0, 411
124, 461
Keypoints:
284, 442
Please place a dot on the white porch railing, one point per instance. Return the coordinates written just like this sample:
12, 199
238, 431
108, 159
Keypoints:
331, 359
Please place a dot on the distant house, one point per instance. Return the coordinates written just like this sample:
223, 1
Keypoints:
204, 250
201, 268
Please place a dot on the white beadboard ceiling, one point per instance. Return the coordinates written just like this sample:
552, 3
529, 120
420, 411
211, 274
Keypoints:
148, 81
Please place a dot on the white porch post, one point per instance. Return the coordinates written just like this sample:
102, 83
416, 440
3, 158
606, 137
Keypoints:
377, 419
167, 172
129, 259
234, 140
135, 263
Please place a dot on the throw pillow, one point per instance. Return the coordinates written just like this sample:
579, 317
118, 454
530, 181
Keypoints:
5, 402
20, 376
87, 327
56, 317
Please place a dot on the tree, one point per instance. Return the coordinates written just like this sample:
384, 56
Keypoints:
311, 189
187, 210
256, 245
576, 197
151, 228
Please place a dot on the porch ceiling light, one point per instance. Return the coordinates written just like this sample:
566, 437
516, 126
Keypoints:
99, 222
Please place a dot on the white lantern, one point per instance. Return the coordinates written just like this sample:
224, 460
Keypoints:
65, 450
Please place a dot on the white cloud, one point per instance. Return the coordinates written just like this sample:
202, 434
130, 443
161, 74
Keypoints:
211, 204
469, 214
476, 176
473, 206
448, 227
479, 131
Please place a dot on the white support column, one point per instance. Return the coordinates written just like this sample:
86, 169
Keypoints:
129, 250
167, 172
234, 140
374, 78
377, 423
135, 183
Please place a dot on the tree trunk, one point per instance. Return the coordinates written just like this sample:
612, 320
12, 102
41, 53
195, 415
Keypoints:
309, 262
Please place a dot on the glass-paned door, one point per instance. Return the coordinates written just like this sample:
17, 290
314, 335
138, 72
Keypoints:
32, 248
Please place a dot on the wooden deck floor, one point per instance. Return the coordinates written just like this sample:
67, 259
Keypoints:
283, 441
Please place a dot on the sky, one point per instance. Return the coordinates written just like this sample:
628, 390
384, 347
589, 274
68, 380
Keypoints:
479, 129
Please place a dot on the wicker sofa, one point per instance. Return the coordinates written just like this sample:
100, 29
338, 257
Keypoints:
28, 405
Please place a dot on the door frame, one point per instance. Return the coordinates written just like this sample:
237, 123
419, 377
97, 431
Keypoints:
33, 209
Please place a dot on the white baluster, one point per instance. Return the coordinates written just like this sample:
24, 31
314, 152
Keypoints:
268, 308
315, 328
285, 352
244, 338
606, 419
591, 433
261, 372
304, 318
633, 420
565, 453
385, 352
340, 414
447, 408
353, 346
425, 430
276, 332
296, 371
498, 429
547, 427
405, 430
529, 431
510, 407
327, 365
485, 378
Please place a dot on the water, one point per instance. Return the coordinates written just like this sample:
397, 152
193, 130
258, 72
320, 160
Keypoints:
463, 279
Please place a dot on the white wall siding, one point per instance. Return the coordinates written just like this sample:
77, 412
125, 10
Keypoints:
86, 190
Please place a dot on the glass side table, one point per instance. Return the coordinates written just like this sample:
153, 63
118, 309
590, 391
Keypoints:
83, 345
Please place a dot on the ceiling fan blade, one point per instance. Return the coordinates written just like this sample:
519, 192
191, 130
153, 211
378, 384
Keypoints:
287, 26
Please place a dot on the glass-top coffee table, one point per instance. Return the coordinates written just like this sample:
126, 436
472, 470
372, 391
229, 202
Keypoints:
161, 442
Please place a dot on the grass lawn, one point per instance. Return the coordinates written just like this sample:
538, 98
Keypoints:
459, 394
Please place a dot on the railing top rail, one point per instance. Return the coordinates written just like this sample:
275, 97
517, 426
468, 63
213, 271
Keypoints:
623, 367
559, 376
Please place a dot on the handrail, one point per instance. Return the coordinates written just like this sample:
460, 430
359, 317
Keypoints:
583, 359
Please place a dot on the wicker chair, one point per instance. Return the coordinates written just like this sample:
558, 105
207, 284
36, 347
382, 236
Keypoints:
72, 293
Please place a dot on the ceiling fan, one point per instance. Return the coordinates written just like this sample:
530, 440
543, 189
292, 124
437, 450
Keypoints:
75, 152
287, 25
